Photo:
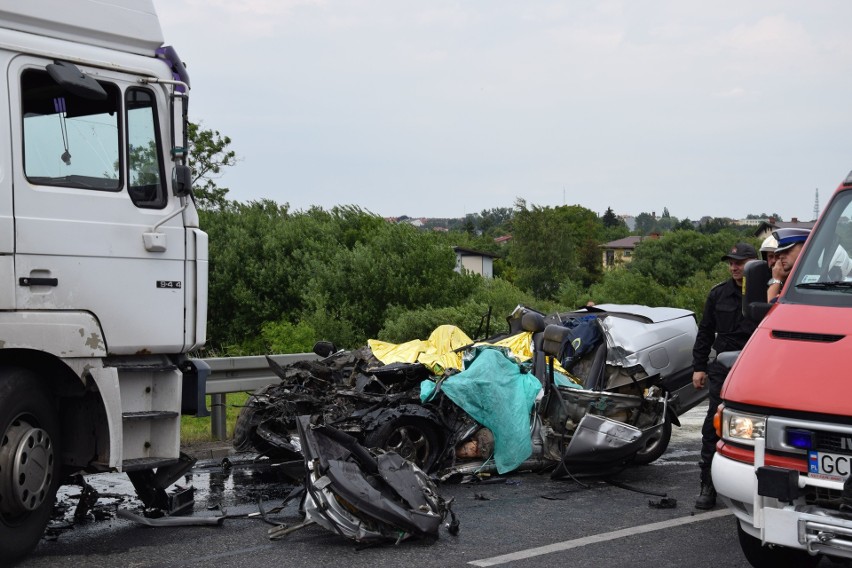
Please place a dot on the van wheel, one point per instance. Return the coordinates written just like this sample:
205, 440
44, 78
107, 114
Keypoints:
29, 461
771, 556
412, 438
655, 446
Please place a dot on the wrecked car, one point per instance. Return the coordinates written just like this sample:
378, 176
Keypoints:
586, 391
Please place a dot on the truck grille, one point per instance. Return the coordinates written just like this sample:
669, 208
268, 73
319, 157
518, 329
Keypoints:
833, 442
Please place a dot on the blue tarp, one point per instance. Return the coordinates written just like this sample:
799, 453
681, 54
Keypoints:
498, 395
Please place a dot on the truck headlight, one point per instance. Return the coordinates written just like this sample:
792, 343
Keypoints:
742, 427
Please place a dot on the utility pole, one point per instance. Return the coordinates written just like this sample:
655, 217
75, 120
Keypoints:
816, 204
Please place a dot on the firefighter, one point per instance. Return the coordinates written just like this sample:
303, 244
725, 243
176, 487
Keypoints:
722, 328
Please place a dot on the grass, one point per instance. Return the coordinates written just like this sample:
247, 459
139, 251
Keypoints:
194, 429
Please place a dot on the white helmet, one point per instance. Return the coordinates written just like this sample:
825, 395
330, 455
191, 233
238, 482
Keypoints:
770, 243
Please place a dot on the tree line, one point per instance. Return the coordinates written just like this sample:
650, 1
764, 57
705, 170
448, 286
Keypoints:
281, 279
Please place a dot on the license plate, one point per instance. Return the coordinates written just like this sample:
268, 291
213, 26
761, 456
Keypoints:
823, 465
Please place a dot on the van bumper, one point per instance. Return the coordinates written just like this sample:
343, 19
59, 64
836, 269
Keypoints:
795, 525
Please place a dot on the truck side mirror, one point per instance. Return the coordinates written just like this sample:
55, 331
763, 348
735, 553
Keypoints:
755, 276
181, 180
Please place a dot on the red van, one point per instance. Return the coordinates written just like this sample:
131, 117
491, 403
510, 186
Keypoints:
785, 455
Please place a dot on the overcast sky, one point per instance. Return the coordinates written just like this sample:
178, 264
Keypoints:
442, 108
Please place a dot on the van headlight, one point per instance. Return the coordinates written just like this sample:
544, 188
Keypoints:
742, 427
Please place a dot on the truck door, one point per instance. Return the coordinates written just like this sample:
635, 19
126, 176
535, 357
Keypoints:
89, 181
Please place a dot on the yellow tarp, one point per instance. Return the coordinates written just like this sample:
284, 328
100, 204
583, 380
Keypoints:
437, 353
442, 350
519, 344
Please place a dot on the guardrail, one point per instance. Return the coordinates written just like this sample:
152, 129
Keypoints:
240, 374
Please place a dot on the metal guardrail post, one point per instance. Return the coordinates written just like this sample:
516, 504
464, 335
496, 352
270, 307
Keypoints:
239, 374
218, 424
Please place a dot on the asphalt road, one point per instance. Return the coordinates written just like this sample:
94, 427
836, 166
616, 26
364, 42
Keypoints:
522, 521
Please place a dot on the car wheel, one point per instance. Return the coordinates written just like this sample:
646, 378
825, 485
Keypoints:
255, 412
655, 446
412, 438
771, 556
29, 461
246, 425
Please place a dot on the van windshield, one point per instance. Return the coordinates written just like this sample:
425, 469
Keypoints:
823, 275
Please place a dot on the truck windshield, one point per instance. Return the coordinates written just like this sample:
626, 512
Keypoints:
823, 275
69, 141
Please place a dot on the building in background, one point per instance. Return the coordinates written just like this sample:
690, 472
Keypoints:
475, 261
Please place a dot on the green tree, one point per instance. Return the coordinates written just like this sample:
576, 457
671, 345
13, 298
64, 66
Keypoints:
348, 296
684, 225
645, 224
715, 225
676, 256
551, 245
614, 227
775, 216
621, 286
574, 295
469, 225
209, 154
490, 296
692, 293
610, 219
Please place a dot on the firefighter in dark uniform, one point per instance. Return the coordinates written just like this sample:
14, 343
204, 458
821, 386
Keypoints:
723, 328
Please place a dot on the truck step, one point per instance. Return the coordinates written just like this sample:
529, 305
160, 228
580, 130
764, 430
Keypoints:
148, 415
139, 464
146, 363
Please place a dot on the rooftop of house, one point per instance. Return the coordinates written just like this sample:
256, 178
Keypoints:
470, 252
625, 243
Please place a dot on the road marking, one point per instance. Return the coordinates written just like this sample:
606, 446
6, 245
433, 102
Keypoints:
603, 537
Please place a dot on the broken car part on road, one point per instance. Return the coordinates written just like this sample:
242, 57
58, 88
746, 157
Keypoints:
364, 496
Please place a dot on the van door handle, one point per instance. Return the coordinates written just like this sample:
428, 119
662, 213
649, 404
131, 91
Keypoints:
27, 281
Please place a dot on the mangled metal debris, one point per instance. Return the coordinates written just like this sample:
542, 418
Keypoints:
170, 521
585, 391
366, 497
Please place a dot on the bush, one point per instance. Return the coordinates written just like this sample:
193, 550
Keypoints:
621, 286
404, 325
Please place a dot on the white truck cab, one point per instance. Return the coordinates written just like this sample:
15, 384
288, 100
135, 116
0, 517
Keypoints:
103, 269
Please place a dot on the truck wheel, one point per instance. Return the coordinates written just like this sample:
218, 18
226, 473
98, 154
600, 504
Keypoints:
655, 446
770, 556
412, 438
29, 461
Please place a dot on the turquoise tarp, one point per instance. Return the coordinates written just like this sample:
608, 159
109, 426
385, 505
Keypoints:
498, 395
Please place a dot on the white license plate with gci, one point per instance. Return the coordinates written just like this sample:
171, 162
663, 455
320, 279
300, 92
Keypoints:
825, 465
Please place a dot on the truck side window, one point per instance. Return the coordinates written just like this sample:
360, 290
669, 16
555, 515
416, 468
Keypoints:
145, 165
69, 141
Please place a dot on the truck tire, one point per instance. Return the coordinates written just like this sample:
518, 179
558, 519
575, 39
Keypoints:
29, 461
655, 446
770, 556
411, 437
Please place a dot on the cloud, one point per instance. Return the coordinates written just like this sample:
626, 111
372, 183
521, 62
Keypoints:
230, 20
733, 93
404, 106
774, 37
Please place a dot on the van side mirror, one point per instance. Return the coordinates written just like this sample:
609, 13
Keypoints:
181, 180
755, 276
